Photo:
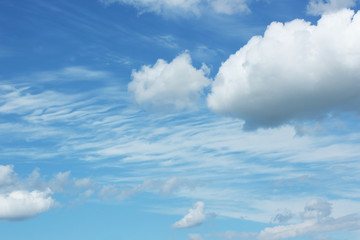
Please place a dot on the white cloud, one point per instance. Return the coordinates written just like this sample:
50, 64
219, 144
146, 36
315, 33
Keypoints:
194, 7
169, 85
318, 7
20, 205
195, 217
295, 71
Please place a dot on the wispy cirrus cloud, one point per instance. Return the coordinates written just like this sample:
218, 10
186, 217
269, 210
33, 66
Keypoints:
185, 7
189, 154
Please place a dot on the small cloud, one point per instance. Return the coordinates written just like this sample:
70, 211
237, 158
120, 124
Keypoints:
194, 218
60, 180
83, 183
195, 236
317, 208
174, 85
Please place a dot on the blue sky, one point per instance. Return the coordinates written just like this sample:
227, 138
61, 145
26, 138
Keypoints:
179, 119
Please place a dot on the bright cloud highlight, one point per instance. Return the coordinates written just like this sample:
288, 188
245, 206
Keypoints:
295, 71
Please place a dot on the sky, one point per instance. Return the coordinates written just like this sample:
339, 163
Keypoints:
180, 119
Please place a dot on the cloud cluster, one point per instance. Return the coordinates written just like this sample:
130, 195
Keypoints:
24, 198
295, 71
317, 219
169, 85
20, 205
194, 7
17, 201
314, 219
194, 218
318, 7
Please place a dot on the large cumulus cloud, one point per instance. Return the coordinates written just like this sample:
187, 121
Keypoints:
295, 71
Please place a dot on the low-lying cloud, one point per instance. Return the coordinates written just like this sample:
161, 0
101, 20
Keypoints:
21, 205
24, 198
194, 218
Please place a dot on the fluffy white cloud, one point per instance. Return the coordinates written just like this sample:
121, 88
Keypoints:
169, 85
166, 7
195, 217
295, 71
317, 219
318, 7
20, 205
